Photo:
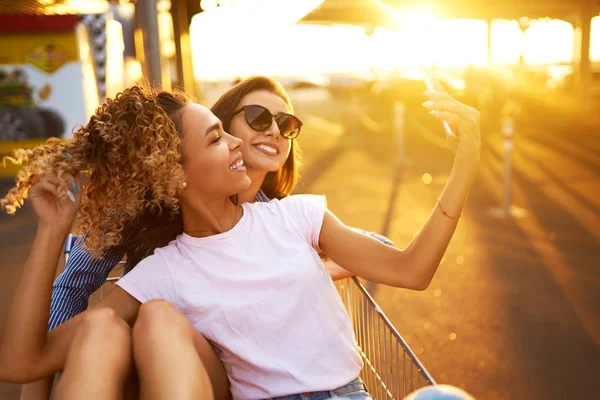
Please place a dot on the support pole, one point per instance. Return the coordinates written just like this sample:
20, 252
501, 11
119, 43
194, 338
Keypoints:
147, 20
583, 28
489, 42
508, 210
182, 17
399, 127
507, 135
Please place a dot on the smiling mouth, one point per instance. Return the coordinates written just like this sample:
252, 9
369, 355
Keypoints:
238, 165
270, 150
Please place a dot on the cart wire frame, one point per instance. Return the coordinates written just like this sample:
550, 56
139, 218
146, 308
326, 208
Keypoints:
392, 370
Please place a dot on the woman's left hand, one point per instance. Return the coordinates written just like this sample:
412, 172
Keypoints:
464, 121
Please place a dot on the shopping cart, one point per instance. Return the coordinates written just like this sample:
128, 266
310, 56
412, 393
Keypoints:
391, 371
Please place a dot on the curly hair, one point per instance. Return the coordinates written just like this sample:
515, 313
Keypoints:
134, 138
280, 183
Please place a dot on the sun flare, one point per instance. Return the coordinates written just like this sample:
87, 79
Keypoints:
292, 49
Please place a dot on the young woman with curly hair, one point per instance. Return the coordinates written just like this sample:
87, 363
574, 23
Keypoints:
247, 277
271, 156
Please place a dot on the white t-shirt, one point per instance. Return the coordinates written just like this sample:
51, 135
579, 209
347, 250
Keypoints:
261, 295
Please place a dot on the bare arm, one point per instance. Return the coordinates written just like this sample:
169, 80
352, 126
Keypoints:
412, 267
39, 390
27, 351
336, 271
415, 266
81, 277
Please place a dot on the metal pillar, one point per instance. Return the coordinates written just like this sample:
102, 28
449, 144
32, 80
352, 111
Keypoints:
147, 23
489, 42
583, 27
182, 16
507, 134
399, 127
508, 210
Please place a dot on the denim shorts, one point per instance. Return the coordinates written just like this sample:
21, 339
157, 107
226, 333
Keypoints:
355, 390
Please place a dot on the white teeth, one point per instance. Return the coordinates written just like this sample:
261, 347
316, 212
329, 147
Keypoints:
237, 165
268, 149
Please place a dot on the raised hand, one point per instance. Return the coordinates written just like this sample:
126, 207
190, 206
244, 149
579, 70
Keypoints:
55, 200
464, 121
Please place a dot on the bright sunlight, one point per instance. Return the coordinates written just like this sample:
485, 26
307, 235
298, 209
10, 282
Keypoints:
292, 48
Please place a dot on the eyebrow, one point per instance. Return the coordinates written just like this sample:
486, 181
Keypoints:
212, 128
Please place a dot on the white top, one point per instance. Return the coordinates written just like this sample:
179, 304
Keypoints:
261, 295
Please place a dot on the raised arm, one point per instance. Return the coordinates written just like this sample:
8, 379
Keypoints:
415, 266
72, 289
27, 351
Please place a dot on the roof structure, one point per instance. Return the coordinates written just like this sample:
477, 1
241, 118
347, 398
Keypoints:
359, 12
501, 9
378, 12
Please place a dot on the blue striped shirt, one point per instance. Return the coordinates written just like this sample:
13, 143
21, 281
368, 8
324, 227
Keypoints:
82, 276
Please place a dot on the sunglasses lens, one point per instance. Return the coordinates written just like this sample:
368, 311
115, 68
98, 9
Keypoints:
289, 126
258, 118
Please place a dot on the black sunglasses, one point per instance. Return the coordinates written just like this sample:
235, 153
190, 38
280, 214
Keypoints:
260, 119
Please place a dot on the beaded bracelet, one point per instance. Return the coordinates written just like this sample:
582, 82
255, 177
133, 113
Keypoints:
444, 211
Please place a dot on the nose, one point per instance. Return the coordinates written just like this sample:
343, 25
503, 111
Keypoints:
234, 142
273, 129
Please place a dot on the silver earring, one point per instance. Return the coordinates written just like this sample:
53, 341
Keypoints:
184, 185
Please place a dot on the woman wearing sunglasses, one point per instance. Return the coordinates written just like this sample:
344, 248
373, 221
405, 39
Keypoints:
258, 111
247, 277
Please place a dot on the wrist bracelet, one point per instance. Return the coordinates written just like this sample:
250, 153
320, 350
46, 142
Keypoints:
444, 211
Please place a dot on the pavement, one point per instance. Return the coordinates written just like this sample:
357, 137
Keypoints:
513, 311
